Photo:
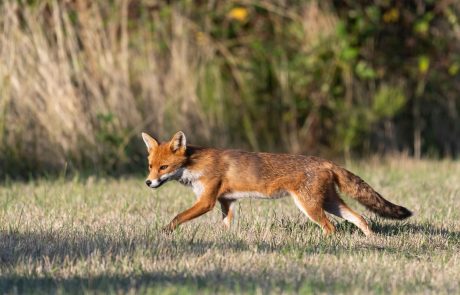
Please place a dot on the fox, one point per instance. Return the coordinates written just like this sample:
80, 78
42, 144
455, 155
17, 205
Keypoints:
227, 175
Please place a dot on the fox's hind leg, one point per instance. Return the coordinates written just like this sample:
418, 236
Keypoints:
227, 211
335, 205
311, 195
314, 211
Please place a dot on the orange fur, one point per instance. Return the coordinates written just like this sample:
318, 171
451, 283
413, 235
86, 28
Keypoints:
227, 175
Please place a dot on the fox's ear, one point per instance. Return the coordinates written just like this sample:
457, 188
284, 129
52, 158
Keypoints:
178, 142
150, 142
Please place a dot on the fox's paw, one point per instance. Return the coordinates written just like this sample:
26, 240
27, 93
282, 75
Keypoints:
167, 230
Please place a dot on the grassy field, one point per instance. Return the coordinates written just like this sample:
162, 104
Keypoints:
99, 234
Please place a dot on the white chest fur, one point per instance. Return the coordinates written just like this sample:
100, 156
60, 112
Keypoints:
191, 178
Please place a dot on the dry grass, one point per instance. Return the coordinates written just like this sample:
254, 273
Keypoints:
99, 235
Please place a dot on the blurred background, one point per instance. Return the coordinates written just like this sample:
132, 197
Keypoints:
79, 80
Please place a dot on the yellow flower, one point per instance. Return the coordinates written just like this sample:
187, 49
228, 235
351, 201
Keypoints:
423, 64
238, 13
391, 16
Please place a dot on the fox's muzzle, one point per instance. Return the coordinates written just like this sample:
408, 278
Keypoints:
162, 179
156, 183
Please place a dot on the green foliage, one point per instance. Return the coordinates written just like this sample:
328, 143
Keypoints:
388, 101
105, 133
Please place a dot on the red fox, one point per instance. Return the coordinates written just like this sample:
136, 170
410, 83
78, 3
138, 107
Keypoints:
224, 176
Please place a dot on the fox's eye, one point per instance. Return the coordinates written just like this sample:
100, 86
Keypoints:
150, 166
163, 167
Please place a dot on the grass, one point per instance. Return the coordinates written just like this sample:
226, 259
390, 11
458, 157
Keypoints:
98, 235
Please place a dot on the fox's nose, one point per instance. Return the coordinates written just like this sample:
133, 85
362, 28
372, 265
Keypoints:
148, 182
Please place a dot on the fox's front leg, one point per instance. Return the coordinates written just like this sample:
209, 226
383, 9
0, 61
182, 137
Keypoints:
204, 204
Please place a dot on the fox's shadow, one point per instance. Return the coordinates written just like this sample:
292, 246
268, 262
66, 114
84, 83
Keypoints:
394, 228
378, 225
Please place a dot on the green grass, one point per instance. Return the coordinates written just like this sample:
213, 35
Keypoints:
102, 235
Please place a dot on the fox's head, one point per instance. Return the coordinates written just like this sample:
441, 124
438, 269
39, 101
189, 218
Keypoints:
165, 159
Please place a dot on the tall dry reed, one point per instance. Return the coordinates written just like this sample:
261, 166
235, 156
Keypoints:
75, 87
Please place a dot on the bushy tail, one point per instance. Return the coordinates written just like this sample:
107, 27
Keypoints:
358, 189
